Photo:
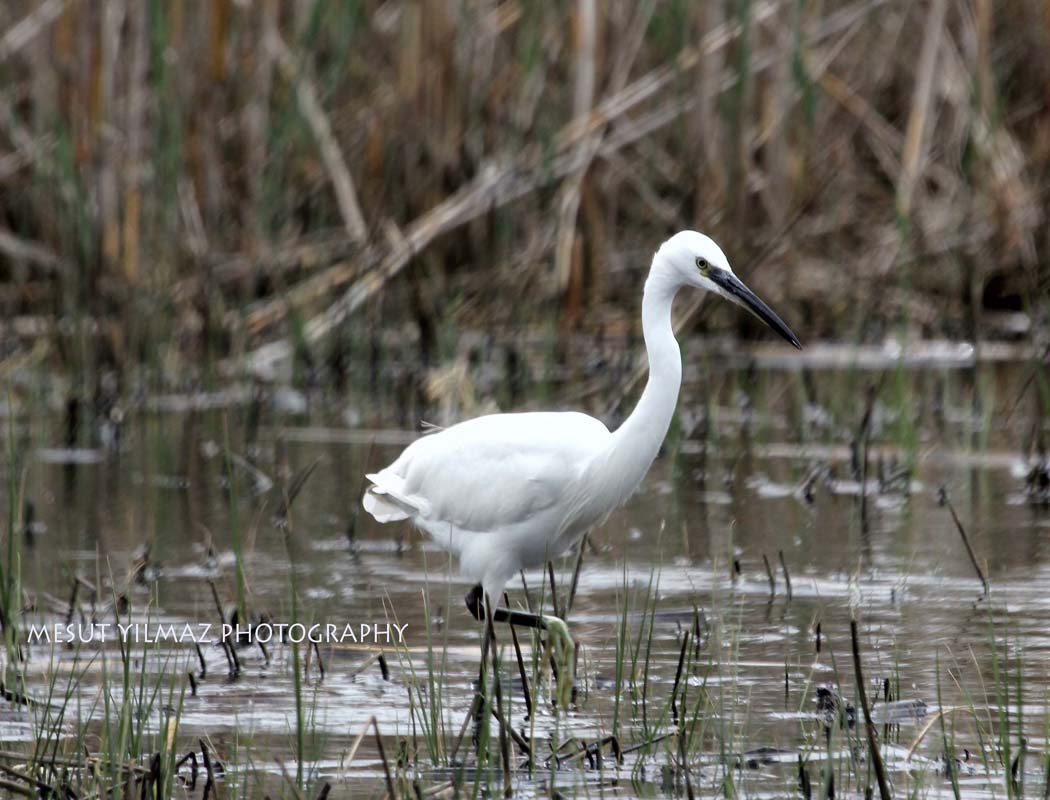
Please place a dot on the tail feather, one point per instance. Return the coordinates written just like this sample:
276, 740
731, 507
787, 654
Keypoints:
385, 500
383, 507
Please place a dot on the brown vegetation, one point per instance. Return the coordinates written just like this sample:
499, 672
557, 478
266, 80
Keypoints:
223, 181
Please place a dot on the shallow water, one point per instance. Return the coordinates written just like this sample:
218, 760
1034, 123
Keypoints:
758, 465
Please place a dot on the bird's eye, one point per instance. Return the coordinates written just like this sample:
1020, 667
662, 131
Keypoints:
702, 264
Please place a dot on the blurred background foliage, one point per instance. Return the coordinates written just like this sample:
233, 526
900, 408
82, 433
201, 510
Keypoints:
194, 189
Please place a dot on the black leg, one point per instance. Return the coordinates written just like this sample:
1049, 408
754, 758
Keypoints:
474, 605
480, 610
520, 618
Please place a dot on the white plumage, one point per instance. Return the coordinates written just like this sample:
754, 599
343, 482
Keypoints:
510, 491
500, 492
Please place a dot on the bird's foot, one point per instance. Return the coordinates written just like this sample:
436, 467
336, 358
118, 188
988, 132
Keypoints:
563, 650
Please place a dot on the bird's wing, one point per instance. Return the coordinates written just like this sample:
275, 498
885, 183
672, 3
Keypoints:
493, 472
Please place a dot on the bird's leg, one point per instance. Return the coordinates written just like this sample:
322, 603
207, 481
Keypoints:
562, 646
488, 646
473, 601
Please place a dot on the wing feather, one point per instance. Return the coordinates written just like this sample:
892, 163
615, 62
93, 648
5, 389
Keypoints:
495, 472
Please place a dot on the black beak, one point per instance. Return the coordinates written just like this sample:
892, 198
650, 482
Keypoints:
735, 290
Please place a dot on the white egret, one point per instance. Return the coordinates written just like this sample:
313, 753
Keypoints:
506, 492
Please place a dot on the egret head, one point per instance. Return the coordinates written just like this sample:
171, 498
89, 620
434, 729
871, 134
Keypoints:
692, 259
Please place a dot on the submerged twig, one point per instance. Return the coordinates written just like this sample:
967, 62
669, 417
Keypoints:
209, 784
526, 693
190, 757
576, 573
936, 717
861, 447
873, 740
678, 679
504, 741
349, 757
288, 779
943, 499
554, 590
320, 661
293, 489
200, 657
787, 575
228, 647
472, 712
804, 784
73, 600
384, 669
519, 740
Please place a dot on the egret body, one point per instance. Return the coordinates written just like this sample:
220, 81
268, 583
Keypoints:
507, 492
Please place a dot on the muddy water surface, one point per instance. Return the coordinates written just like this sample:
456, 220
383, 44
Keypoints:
764, 466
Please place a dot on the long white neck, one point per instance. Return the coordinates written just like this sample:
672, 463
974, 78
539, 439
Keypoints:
634, 445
